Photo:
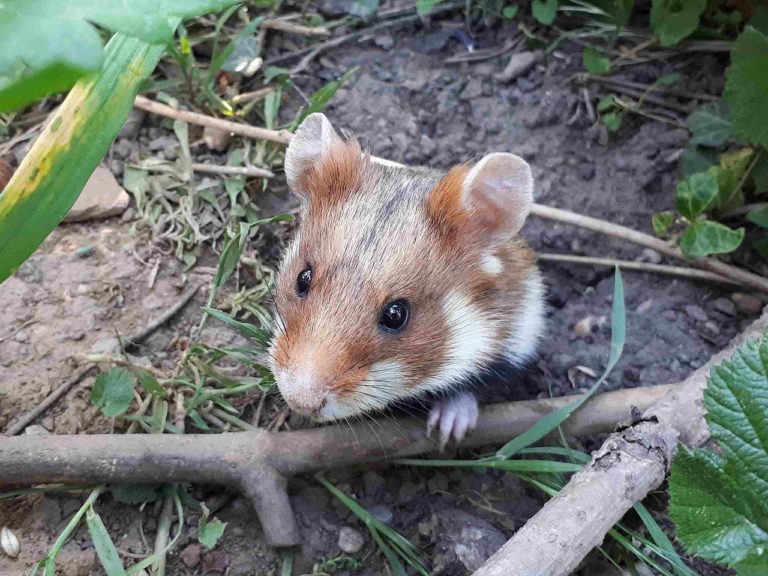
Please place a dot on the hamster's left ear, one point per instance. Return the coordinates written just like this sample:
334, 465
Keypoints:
493, 197
318, 163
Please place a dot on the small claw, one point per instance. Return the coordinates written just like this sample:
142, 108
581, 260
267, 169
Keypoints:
455, 416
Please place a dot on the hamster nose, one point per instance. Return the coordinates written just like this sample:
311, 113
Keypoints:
307, 406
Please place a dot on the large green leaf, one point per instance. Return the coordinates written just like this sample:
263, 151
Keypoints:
70, 147
746, 88
706, 237
720, 499
48, 45
710, 124
695, 194
673, 20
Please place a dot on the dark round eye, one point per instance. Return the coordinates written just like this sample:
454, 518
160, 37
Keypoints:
303, 281
394, 316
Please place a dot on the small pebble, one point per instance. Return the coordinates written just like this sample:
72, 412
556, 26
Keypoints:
381, 513
216, 140
84, 252
650, 256
35, 430
584, 326
350, 540
586, 171
190, 556
644, 306
725, 306
746, 303
696, 312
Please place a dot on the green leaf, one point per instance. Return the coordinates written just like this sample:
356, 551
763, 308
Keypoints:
210, 532
719, 499
364, 9
668, 79
425, 7
272, 72
695, 194
705, 237
135, 494
105, 548
248, 330
150, 383
549, 422
322, 96
746, 88
662, 222
544, 11
595, 62
46, 50
612, 121
696, 159
760, 174
729, 173
759, 216
72, 144
510, 11
113, 392
673, 20
710, 125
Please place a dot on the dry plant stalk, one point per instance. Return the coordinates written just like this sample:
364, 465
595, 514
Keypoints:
632, 462
259, 462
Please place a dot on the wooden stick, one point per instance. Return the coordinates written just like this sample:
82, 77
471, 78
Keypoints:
279, 136
617, 231
639, 266
258, 462
630, 464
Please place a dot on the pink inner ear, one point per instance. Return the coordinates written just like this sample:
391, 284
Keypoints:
499, 191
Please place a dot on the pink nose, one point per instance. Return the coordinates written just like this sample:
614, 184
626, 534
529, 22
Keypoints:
306, 406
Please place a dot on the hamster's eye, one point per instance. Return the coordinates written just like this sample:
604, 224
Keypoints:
303, 281
394, 316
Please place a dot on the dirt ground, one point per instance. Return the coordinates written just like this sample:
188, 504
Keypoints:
407, 104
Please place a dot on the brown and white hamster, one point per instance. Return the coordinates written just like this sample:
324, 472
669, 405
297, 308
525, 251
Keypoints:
401, 282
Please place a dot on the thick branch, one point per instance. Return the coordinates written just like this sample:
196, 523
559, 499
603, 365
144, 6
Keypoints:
631, 463
257, 462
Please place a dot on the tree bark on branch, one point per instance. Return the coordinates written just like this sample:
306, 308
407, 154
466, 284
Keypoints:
632, 462
259, 462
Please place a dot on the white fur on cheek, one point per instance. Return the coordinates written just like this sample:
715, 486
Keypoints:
491, 264
470, 342
386, 381
528, 324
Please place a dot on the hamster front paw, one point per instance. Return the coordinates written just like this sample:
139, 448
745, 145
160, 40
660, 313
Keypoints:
454, 416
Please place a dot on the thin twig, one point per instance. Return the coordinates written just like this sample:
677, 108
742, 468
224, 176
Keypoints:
652, 88
163, 535
142, 333
279, 136
622, 232
640, 266
20, 424
251, 171
284, 25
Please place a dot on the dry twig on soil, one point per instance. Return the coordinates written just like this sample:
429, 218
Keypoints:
258, 462
632, 462
681, 271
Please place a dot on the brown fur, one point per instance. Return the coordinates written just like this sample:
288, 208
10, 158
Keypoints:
336, 175
373, 234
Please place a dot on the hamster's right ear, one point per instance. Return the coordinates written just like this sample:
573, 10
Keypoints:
318, 161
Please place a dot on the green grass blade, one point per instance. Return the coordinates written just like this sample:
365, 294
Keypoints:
532, 466
394, 562
70, 147
665, 547
637, 552
102, 542
575, 455
49, 563
548, 423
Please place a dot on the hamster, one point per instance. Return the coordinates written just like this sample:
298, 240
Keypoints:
401, 282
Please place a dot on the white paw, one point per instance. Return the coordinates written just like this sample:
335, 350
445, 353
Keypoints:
454, 416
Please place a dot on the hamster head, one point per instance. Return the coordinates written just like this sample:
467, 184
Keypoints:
399, 280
